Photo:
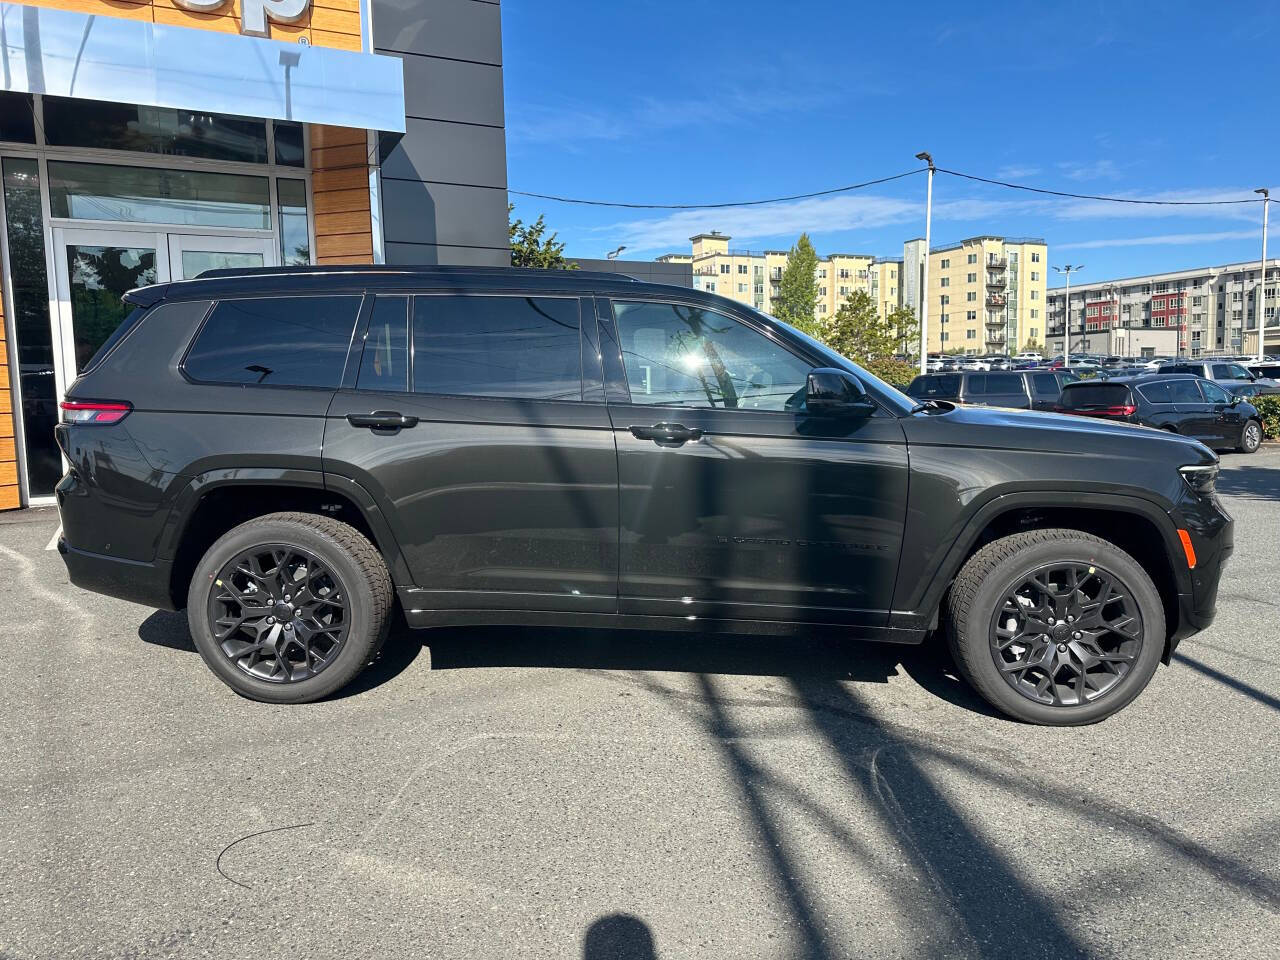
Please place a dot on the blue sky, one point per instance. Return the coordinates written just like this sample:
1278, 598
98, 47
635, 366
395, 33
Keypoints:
709, 102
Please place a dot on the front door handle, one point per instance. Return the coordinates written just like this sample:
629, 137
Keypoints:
382, 420
667, 434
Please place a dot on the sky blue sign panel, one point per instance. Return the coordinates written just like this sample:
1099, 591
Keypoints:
68, 54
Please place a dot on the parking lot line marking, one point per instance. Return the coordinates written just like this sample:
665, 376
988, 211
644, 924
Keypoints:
53, 541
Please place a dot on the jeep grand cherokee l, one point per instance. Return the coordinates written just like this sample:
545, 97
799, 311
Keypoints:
288, 453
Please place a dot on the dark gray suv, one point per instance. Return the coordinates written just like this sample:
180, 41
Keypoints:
1021, 389
291, 454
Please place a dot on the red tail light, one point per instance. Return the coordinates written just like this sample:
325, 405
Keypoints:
1119, 410
1123, 410
94, 411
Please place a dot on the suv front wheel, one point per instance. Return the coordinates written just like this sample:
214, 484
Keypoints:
1055, 627
289, 607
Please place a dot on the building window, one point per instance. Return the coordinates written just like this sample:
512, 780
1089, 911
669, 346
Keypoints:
945, 299
971, 315
1035, 275
971, 278
973, 258
742, 268
971, 334
945, 264
943, 336
742, 288
944, 282
1035, 257
971, 296
1035, 314
1035, 294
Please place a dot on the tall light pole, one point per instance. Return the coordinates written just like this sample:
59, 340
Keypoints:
924, 279
1066, 320
1262, 279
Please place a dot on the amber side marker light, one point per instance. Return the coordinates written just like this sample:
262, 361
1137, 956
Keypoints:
1187, 548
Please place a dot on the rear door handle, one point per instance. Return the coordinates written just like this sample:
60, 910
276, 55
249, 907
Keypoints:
667, 434
382, 420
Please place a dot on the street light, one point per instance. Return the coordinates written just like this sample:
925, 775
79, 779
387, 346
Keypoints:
1262, 279
924, 279
613, 254
1066, 320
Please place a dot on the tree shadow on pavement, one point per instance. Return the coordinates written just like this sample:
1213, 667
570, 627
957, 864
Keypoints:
1250, 482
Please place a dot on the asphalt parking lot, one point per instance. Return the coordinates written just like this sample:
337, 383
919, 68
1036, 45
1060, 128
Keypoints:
505, 793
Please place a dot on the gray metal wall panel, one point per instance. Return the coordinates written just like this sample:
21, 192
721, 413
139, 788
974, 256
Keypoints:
449, 153
437, 89
443, 213
444, 196
431, 253
457, 29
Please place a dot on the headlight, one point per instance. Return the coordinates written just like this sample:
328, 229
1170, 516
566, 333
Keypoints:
1200, 477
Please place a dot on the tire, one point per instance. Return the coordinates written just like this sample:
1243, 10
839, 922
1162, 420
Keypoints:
343, 613
1250, 437
976, 612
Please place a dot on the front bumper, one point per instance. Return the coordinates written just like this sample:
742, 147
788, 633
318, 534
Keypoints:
134, 580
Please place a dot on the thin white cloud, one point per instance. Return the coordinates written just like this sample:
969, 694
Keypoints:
1165, 239
1103, 169
1016, 171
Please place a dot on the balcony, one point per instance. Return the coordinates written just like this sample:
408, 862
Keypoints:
997, 281
996, 301
997, 264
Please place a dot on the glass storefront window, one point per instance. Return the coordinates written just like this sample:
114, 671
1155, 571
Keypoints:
29, 286
289, 144
164, 130
295, 239
98, 191
17, 118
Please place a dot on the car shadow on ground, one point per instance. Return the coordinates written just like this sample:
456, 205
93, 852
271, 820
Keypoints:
1244, 479
475, 648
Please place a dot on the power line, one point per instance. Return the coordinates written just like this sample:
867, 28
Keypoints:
871, 183
1088, 196
715, 206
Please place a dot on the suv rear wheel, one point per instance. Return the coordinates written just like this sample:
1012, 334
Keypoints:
1250, 437
1055, 627
289, 607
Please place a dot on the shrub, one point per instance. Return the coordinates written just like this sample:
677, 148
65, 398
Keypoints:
1269, 407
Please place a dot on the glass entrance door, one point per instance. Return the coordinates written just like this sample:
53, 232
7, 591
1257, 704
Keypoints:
190, 255
94, 270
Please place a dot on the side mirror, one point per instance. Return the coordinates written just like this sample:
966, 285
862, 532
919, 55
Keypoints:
832, 392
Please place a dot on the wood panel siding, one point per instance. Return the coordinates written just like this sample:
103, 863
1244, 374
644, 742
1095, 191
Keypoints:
9, 498
329, 23
340, 195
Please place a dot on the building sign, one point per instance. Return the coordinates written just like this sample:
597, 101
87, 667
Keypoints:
254, 13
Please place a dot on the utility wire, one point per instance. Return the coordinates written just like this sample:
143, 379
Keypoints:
1087, 196
872, 183
716, 206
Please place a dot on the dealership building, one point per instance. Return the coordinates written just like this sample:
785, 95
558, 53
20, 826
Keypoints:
148, 140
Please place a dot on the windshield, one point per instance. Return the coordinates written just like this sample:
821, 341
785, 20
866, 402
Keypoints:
1077, 396
898, 401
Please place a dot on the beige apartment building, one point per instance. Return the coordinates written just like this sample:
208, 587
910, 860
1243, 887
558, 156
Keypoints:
986, 294
753, 277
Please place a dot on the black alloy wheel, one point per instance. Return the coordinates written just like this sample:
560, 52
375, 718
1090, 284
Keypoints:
1066, 634
279, 613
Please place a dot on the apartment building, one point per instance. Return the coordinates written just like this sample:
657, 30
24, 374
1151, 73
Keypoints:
1197, 312
755, 277
986, 294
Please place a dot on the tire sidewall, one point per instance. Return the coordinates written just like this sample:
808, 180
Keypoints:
1244, 437
1005, 576
356, 648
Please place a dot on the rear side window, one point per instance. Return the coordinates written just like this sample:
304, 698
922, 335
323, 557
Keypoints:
1157, 392
517, 347
1222, 371
995, 384
385, 362
275, 341
926, 387
1186, 391
1046, 384
1080, 396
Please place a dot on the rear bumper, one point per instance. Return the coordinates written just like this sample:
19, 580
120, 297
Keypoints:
145, 583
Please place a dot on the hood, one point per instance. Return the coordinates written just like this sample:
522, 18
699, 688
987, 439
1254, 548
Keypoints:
999, 427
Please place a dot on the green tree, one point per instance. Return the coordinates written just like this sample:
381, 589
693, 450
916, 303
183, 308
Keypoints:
1032, 346
798, 290
857, 332
529, 249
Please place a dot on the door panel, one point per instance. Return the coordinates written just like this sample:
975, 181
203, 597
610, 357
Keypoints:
497, 502
744, 506
191, 255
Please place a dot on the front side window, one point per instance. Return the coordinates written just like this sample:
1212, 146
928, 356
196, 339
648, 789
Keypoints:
275, 341
497, 346
1214, 393
680, 355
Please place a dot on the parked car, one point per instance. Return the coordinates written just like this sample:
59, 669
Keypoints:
1270, 371
1247, 388
1221, 371
289, 453
1191, 406
1024, 390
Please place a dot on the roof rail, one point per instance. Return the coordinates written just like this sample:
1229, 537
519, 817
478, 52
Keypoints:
400, 270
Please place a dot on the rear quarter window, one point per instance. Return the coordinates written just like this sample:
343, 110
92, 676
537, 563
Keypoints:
118, 334
275, 342
1082, 395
